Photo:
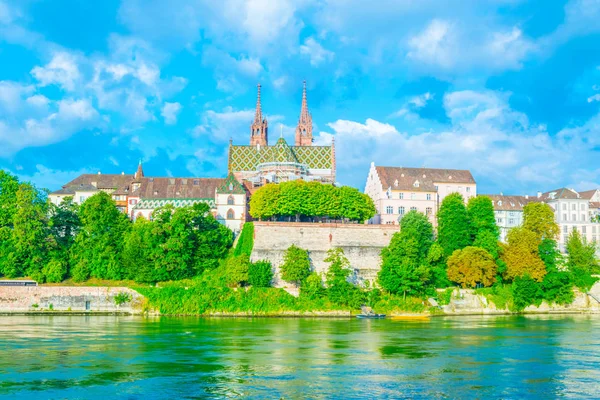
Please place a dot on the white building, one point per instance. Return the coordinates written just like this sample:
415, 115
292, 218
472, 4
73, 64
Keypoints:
396, 190
572, 212
508, 211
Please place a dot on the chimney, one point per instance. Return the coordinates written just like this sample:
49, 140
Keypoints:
539, 194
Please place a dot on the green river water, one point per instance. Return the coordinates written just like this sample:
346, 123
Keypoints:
89, 357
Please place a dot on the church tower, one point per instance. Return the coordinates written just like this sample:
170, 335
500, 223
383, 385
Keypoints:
304, 128
259, 128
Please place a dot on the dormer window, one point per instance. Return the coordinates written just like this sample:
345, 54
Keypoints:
500, 203
230, 187
396, 182
416, 184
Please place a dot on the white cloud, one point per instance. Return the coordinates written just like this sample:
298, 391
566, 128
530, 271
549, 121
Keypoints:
485, 135
53, 179
435, 45
169, 112
62, 70
315, 52
593, 98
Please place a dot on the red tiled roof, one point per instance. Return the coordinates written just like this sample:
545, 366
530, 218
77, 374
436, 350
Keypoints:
426, 177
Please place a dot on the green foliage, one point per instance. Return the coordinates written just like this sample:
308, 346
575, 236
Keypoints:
9, 185
550, 255
260, 274
444, 297
521, 255
582, 278
339, 290
454, 232
296, 265
55, 270
581, 254
302, 200
437, 264
472, 266
539, 218
122, 298
526, 291
404, 267
557, 287
312, 287
481, 218
237, 270
245, 242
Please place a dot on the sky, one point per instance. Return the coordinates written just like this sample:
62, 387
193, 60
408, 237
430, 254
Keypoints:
509, 89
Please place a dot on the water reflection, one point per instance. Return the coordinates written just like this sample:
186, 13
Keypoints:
131, 357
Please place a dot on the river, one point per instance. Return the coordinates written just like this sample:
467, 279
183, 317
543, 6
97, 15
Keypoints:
133, 357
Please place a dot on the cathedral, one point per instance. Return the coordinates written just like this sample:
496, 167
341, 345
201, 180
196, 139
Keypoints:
260, 163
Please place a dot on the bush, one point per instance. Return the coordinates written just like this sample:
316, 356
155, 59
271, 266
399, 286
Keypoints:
582, 278
557, 287
238, 270
472, 266
55, 271
245, 242
526, 291
312, 287
260, 274
296, 265
122, 298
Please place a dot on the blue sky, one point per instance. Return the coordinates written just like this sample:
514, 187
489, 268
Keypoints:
509, 89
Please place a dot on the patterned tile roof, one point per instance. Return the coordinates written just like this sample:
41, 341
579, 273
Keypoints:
152, 204
247, 158
231, 185
399, 178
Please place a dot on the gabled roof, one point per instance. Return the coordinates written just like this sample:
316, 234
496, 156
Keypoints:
562, 193
421, 179
183, 188
152, 204
588, 194
101, 181
509, 202
247, 158
231, 185
63, 191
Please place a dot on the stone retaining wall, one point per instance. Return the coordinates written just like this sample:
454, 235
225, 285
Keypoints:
19, 299
362, 244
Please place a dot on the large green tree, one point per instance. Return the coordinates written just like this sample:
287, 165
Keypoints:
404, 268
296, 265
482, 222
581, 254
454, 232
339, 290
521, 255
472, 266
539, 219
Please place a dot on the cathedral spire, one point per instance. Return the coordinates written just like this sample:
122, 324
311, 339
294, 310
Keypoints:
139, 174
304, 128
259, 128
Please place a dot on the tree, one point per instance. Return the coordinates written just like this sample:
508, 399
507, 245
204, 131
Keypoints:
472, 266
97, 248
581, 254
296, 265
453, 224
9, 185
237, 270
141, 249
264, 202
30, 231
312, 287
526, 291
260, 274
438, 266
550, 255
481, 217
521, 255
539, 218
339, 289
64, 222
404, 266
245, 242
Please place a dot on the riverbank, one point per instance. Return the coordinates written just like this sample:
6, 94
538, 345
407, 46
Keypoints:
192, 301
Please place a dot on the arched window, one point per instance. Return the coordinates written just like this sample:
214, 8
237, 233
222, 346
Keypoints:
230, 214
230, 201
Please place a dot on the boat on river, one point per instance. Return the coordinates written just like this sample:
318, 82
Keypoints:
420, 318
371, 316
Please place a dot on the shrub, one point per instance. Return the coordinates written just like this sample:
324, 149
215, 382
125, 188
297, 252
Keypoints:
312, 287
238, 270
296, 265
260, 274
122, 298
55, 271
245, 242
472, 266
526, 291
557, 287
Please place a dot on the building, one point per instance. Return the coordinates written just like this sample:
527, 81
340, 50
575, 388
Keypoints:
139, 196
508, 211
572, 212
593, 196
260, 163
397, 190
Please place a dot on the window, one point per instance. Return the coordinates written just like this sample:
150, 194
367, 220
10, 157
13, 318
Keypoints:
584, 230
460, 188
593, 229
428, 196
573, 207
412, 196
565, 238
413, 209
230, 214
564, 206
401, 210
574, 217
499, 220
511, 221
582, 207
389, 210
230, 201
565, 229
428, 211
230, 187
582, 217
468, 189
594, 239
564, 217
436, 188
401, 196
81, 199
416, 184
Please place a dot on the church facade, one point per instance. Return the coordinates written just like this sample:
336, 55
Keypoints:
260, 163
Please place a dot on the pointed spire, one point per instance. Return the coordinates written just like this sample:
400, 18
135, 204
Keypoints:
304, 110
139, 174
258, 116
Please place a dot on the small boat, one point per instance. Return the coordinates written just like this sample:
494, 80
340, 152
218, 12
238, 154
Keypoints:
421, 318
370, 316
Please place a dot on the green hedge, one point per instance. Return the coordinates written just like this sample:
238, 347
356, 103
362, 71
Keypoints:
245, 242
